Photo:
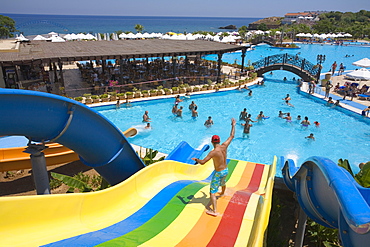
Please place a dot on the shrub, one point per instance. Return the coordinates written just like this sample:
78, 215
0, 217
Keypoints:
104, 96
94, 96
78, 98
129, 93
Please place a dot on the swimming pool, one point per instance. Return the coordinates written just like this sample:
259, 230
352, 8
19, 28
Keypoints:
339, 135
308, 51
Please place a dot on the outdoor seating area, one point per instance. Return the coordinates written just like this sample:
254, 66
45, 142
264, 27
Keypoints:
146, 75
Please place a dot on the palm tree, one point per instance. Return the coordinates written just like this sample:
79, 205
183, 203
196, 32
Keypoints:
139, 28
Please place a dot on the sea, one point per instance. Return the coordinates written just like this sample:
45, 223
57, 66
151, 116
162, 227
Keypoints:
63, 24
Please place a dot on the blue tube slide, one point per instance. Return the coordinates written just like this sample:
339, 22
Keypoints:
329, 195
47, 117
184, 152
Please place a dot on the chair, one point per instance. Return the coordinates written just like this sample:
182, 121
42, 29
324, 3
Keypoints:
363, 97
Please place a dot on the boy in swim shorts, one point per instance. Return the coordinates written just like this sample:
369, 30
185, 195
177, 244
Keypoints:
218, 155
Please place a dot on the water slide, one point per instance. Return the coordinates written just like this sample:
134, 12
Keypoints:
184, 152
43, 117
160, 205
15, 158
329, 195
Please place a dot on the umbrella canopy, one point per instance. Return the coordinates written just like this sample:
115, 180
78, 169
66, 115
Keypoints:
57, 39
22, 38
39, 37
365, 62
361, 74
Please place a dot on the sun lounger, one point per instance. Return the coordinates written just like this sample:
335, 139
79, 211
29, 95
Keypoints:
364, 96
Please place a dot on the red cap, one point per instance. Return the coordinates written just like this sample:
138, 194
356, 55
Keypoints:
216, 139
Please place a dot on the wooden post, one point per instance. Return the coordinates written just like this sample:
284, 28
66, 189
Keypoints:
219, 67
120, 70
55, 73
243, 57
60, 64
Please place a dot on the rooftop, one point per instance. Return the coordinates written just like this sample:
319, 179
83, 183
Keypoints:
44, 52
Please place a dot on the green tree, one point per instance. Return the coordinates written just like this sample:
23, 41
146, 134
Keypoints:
243, 31
262, 27
7, 27
139, 28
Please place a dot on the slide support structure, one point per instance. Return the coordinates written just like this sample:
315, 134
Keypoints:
39, 171
301, 229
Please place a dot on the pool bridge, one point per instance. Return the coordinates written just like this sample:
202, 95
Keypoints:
263, 39
293, 63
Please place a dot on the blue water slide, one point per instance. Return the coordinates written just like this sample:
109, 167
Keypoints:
184, 152
47, 117
329, 195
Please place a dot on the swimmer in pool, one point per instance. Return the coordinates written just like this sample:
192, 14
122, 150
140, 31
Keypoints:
305, 122
261, 117
310, 137
246, 129
330, 101
209, 122
287, 102
194, 113
174, 109
288, 118
177, 99
179, 112
249, 119
365, 112
192, 105
281, 114
317, 124
148, 126
243, 114
146, 117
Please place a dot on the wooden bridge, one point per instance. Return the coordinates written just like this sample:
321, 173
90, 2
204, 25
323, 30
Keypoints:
263, 39
293, 63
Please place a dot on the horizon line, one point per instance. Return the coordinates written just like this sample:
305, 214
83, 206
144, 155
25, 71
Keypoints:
137, 15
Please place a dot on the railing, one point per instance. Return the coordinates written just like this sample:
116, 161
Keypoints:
288, 59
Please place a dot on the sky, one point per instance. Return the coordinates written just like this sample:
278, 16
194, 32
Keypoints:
191, 8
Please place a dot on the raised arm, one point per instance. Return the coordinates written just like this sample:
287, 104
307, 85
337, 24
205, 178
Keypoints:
232, 133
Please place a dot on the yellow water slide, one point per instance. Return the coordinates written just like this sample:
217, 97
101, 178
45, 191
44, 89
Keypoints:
161, 205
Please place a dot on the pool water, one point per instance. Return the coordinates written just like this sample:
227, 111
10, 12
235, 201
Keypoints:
339, 135
307, 51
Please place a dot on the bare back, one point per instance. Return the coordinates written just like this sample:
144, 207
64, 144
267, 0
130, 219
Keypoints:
219, 155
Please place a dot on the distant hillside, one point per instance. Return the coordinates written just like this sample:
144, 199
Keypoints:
270, 22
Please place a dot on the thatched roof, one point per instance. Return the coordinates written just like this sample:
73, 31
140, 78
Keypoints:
44, 52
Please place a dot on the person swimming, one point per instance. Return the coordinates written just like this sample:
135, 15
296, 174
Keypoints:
261, 117
281, 114
243, 114
305, 122
174, 109
246, 129
194, 113
209, 122
288, 118
179, 112
192, 105
310, 137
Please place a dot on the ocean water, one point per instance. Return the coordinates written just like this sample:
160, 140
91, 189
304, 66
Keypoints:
43, 24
